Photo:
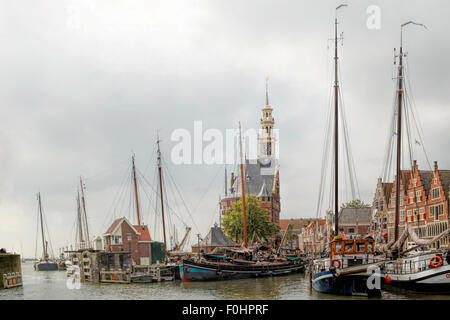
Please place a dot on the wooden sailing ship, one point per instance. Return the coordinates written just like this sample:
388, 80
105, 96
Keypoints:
45, 263
236, 263
350, 263
413, 269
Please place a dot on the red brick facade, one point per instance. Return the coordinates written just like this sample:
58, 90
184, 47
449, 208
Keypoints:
424, 203
122, 236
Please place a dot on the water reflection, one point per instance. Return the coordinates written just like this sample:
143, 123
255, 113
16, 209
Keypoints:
52, 285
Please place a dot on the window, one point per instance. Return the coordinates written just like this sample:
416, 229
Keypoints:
436, 193
117, 239
422, 213
402, 215
381, 205
418, 194
415, 182
351, 230
436, 211
409, 213
411, 197
415, 215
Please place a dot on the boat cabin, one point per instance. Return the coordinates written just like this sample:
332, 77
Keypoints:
342, 247
346, 253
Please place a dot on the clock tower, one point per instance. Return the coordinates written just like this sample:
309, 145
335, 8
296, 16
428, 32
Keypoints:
266, 140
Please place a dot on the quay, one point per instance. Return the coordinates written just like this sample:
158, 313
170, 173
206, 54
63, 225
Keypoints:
116, 267
10, 270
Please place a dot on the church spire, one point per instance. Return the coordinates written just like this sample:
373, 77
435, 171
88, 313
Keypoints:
266, 140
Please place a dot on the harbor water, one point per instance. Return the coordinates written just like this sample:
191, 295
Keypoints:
51, 285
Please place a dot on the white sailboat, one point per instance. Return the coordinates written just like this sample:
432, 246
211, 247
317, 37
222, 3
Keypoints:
45, 263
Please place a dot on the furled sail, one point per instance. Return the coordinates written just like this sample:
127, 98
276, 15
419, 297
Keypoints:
409, 232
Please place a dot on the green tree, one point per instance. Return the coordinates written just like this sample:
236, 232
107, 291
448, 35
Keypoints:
355, 204
257, 218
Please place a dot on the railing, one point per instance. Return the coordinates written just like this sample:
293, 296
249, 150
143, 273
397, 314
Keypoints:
346, 262
409, 267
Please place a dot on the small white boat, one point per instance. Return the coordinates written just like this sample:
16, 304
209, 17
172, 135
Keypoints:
422, 272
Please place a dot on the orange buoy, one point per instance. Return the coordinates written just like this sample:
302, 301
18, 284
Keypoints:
438, 264
336, 260
387, 279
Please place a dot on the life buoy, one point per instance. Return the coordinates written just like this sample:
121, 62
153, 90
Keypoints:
438, 264
336, 260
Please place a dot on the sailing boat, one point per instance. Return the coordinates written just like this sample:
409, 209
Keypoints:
423, 271
350, 262
234, 263
44, 263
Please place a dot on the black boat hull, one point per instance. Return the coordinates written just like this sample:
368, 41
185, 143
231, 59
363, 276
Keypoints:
194, 271
46, 266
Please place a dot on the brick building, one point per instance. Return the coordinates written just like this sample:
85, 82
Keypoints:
424, 203
354, 222
123, 236
261, 176
312, 237
379, 214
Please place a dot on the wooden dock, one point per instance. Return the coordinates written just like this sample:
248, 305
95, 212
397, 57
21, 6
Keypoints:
10, 271
12, 280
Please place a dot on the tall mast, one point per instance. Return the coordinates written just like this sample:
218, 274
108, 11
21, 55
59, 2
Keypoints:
336, 126
80, 226
399, 139
136, 192
44, 247
399, 130
243, 188
161, 193
84, 211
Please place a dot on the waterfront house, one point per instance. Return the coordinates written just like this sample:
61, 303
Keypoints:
354, 222
123, 236
424, 204
312, 238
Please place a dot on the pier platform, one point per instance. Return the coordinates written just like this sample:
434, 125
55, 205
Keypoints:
10, 271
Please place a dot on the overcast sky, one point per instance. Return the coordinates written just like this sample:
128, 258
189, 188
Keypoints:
84, 84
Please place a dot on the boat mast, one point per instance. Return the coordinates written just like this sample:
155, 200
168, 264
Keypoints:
336, 128
42, 226
84, 210
399, 133
161, 193
80, 226
243, 188
136, 192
